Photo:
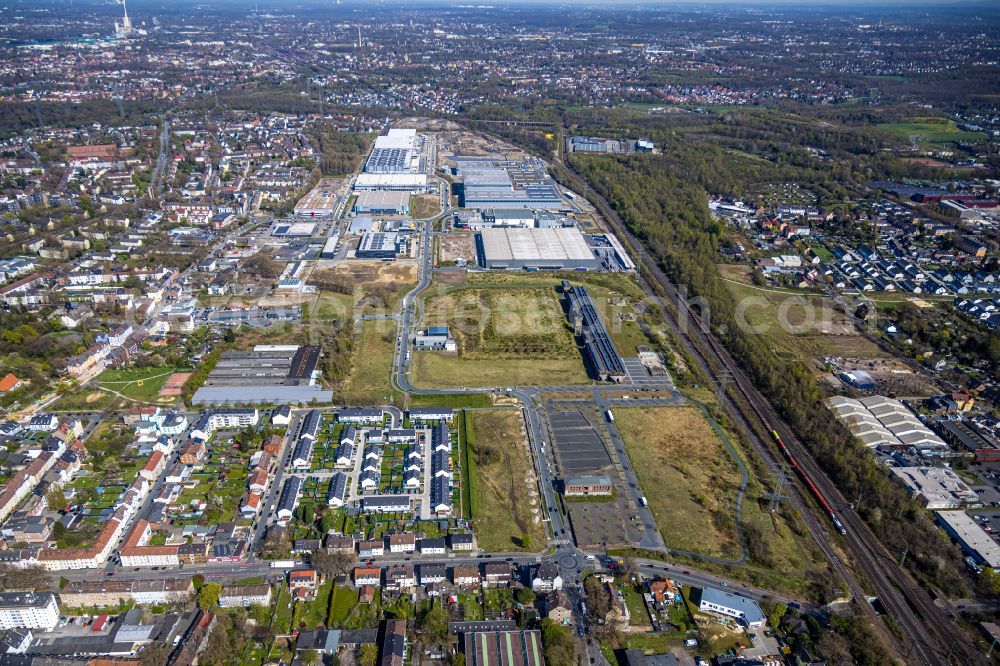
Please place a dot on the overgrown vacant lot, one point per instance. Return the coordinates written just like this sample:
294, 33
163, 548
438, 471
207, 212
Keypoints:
362, 286
504, 323
506, 506
506, 336
369, 381
803, 326
687, 476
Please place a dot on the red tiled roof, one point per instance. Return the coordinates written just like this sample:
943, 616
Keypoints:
8, 382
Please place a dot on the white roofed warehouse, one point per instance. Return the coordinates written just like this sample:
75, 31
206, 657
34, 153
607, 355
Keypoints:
540, 249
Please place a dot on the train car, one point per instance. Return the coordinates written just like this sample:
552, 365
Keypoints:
809, 483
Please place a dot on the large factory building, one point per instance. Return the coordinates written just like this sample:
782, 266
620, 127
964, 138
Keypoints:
536, 249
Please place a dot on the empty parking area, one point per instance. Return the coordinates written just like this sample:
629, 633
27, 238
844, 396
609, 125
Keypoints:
639, 375
578, 447
604, 524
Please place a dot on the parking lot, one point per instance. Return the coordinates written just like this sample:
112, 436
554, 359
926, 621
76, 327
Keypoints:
578, 447
603, 524
639, 375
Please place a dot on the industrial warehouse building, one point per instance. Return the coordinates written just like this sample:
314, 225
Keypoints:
602, 357
382, 202
378, 245
881, 421
553, 249
936, 487
394, 152
532, 196
392, 182
320, 201
971, 537
270, 374
504, 648
329, 250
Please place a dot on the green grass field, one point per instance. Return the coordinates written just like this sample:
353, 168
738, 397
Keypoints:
369, 382
138, 384
503, 324
932, 130
314, 613
344, 601
511, 329
436, 370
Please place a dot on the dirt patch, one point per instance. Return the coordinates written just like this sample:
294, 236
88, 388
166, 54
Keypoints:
93, 397
175, 382
890, 375
368, 272
423, 206
457, 246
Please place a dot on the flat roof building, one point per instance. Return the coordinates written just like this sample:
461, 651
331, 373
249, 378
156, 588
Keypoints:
532, 196
971, 537
382, 202
28, 610
378, 245
936, 487
294, 229
392, 182
329, 250
321, 200
745, 610
393, 152
556, 248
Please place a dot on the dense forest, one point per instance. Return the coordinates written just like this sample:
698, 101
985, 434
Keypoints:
662, 199
15, 117
342, 152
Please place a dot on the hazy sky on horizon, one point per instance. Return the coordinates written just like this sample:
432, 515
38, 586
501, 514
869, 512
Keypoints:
590, 4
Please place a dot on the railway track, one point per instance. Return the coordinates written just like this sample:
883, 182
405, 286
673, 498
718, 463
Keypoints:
925, 635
